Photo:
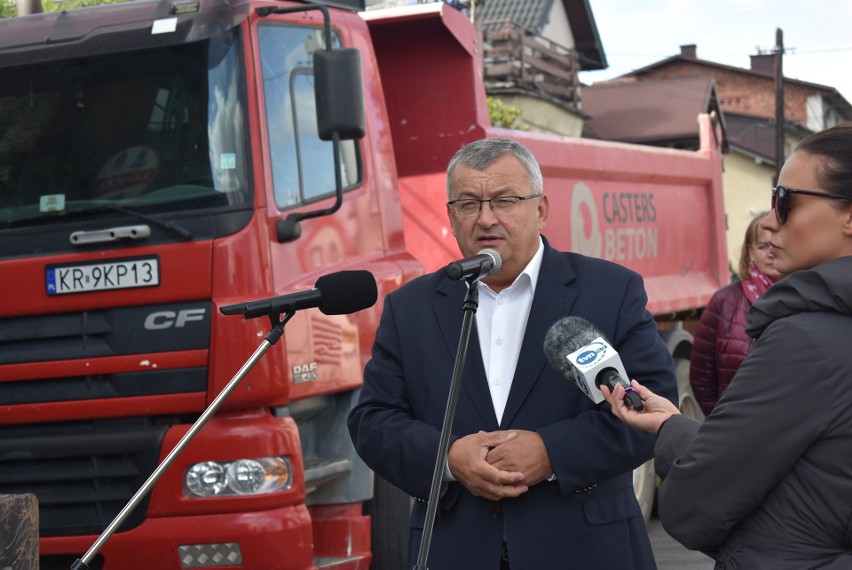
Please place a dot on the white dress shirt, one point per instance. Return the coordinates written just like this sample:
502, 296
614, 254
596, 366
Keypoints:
501, 320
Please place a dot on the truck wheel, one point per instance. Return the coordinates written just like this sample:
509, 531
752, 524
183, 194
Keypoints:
686, 399
645, 487
390, 510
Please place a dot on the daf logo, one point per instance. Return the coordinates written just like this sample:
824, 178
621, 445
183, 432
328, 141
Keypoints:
163, 320
592, 354
304, 372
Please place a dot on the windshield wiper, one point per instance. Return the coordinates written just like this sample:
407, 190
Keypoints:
174, 229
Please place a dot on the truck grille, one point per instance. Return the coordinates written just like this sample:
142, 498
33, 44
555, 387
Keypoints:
100, 386
106, 332
82, 473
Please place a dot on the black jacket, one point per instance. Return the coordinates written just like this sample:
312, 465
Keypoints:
766, 480
588, 518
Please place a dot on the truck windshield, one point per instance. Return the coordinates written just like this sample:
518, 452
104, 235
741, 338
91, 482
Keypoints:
158, 131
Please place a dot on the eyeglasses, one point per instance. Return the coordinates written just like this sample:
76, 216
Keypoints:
500, 205
781, 200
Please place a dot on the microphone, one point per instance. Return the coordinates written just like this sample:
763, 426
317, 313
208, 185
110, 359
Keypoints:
338, 293
578, 350
486, 262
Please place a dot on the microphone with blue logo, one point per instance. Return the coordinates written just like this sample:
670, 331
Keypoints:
578, 350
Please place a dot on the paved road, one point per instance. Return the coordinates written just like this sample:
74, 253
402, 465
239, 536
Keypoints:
671, 555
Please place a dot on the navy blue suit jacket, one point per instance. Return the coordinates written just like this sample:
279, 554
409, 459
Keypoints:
588, 518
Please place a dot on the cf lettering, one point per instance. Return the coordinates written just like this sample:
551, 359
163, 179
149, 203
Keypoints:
189, 315
162, 320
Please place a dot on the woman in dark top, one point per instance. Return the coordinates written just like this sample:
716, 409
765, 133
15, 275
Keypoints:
766, 480
721, 342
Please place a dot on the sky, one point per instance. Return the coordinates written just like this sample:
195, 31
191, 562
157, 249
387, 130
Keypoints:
817, 35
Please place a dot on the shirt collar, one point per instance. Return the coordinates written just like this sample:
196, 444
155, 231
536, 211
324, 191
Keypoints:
533, 268
528, 275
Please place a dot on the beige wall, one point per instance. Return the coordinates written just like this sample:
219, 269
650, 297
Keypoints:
545, 117
557, 28
747, 189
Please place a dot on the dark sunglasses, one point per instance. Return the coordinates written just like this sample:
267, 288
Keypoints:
781, 200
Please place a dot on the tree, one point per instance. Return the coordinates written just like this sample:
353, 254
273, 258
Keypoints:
503, 115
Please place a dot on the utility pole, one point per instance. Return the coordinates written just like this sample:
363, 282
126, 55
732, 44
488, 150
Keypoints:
779, 103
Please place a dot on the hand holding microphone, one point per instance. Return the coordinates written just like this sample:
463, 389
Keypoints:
579, 351
656, 408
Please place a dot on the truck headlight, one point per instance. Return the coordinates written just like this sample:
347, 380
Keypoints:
239, 477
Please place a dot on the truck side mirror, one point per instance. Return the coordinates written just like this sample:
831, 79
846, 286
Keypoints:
339, 94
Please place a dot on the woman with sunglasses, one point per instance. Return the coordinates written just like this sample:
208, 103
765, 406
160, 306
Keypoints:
766, 480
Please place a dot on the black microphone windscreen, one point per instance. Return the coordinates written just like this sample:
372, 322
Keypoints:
346, 292
565, 336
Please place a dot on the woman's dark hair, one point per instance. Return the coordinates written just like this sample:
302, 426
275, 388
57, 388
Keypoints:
834, 145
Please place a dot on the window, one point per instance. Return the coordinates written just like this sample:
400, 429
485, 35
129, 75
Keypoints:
302, 164
158, 130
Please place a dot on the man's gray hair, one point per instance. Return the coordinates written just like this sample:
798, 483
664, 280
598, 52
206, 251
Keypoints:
481, 154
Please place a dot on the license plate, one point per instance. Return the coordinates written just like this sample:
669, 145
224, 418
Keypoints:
103, 276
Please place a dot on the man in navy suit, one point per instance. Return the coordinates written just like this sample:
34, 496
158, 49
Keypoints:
538, 477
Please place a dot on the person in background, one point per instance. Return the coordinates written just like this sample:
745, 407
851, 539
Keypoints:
766, 480
537, 475
721, 342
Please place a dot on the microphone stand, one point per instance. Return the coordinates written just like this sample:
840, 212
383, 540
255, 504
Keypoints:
471, 302
272, 337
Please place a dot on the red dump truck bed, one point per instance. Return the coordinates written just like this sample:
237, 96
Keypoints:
658, 211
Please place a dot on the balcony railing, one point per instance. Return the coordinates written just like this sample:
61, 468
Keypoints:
514, 57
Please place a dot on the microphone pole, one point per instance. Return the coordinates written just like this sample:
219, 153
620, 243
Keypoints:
270, 339
471, 302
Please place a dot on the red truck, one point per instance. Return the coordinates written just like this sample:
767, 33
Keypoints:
160, 160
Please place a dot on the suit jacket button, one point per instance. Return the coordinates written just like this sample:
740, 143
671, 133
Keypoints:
497, 512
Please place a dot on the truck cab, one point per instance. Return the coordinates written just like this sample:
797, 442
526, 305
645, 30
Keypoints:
159, 161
